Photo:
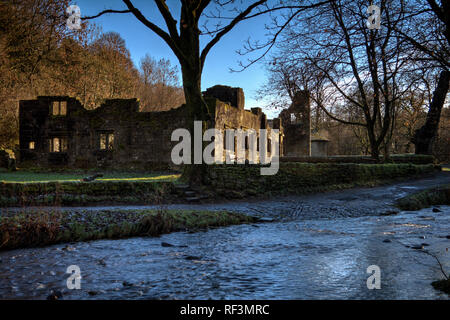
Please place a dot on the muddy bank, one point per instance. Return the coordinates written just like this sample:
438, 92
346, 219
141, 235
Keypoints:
40, 228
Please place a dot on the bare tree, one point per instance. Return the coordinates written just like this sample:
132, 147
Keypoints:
183, 38
429, 34
160, 88
361, 69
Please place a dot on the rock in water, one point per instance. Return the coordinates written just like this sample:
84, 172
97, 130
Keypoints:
165, 244
92, 178
55, 295
390, 213
436, 210
192, 258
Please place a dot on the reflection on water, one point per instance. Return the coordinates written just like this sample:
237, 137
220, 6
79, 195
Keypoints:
293, 259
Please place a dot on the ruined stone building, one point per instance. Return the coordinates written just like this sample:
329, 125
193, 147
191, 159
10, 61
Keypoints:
296, 122
58, 130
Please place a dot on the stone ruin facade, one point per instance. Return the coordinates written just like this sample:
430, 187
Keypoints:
296, 121
59, 131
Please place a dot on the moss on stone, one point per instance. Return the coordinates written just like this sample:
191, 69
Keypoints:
436, 196
298, 178
442, 285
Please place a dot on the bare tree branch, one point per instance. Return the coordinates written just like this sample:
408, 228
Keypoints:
225, 30
104, 12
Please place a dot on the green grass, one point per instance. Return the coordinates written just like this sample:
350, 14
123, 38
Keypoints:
34, 188
31, 229
32, 177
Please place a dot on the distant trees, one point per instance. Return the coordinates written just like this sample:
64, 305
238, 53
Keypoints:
160, 89
30, 33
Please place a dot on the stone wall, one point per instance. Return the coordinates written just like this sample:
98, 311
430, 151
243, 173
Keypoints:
319, 148
234, 116
241, 181
59, 131
296, 121
139, 139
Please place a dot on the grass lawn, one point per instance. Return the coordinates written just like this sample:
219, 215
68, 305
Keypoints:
29, 177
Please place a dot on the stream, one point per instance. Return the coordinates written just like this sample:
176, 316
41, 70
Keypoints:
317, 247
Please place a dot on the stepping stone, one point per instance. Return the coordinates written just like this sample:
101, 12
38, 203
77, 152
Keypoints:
55, 295
192, 199
189, 193
165, 244
192, 258
389, 213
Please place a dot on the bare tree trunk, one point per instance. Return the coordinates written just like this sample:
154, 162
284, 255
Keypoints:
424, 137
197, 108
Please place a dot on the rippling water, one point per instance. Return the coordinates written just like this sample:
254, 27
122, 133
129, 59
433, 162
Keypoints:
297, 259
318, 247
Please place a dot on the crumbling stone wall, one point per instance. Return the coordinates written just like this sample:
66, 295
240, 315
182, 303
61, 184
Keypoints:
296, 121
141, 139
232, 115
77, 137
232, 96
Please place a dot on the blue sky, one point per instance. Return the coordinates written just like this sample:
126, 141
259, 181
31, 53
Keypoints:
140, 40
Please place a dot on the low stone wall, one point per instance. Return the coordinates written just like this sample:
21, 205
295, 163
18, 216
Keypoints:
222, 181
395, 158
83, 193
296, 178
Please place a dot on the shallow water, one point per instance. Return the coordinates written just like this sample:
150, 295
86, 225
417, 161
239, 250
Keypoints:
311, 251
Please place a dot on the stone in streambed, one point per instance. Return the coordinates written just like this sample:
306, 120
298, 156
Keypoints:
165, 244
390, 213
55, 295
192, 258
